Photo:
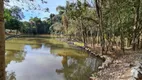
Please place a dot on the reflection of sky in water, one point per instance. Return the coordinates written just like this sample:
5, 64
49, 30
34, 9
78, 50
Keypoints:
39, 64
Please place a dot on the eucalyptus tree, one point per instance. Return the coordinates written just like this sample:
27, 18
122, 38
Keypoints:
63, 12
77, 16
115, 19
115, 22
136, 27
77, 11
122, 19
57, 28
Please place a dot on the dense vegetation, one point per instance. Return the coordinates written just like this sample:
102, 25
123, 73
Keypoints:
33, 26
107, 23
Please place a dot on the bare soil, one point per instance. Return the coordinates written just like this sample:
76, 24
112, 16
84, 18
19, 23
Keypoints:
120, 69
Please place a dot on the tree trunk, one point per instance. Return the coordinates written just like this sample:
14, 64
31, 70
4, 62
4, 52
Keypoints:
65, 23
2, 42
122, 42
138, 44
136, 21
99, 12
82, 31
97, 36
16, 32
92, 41
141, 44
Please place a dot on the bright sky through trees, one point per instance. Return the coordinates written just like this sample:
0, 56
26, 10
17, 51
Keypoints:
52, 4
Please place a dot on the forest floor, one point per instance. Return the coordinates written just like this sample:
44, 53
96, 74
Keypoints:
120, 69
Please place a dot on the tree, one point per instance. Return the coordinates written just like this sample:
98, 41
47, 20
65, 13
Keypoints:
25, 26
14, 23
109, 23
2, 42
57, 28
16, 12
40, 26
98, 4
12, 17
136, 23
63, 11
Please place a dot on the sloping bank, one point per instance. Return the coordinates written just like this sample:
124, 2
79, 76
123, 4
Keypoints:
107, 59
11, 36
16, 36
128, 66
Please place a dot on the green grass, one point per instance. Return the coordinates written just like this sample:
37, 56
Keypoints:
79, 44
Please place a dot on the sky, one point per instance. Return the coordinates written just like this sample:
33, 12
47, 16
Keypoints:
51, 4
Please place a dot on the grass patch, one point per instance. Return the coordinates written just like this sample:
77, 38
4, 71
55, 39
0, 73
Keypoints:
79, 44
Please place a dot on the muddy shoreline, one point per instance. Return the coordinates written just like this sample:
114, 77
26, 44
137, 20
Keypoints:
106, 58
118, 68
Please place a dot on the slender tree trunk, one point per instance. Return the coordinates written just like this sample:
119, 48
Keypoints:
136, 21
97, 36
2, 42
99, 12
138, 44
16, 32
122, 42
82, 31
92, 44
85, 35
65, 23
141, 44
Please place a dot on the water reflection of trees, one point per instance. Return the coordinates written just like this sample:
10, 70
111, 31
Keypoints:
17, 56
11, 76
78, 68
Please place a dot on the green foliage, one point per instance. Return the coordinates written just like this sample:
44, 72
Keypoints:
57, 28
13, 24
25, 27
7, 14
12, 17
36, 26
102, 20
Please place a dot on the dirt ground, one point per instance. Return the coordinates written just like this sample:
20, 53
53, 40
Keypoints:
120, 69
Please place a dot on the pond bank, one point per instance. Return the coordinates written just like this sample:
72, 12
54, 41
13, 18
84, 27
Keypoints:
107, 59
124, 66
11, 36
20, 35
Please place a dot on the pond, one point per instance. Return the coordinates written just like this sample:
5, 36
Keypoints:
47, 59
